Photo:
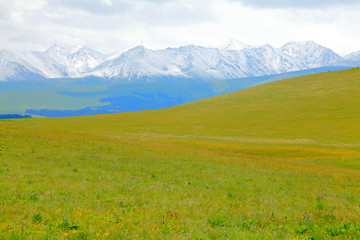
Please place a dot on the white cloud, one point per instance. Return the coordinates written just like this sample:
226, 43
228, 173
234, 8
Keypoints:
104, 7
110, 25
107, 2
310, 4
175, 13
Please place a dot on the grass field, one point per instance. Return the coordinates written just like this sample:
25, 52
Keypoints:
277, 161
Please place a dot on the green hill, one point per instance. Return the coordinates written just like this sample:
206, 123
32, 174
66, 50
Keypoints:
280, 160
322, 107
93, 95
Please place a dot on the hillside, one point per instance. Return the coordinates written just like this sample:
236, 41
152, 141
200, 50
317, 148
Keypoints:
93, 95
324, 107
276, 161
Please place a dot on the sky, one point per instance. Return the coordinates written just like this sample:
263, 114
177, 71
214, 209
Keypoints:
115, 25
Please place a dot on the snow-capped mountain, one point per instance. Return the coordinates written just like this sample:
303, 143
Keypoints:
233, 60
234, 44
213, 63
353, 58
311, 54
70, 60
14, 68
56, 62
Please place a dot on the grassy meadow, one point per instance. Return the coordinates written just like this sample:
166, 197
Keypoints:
277, 161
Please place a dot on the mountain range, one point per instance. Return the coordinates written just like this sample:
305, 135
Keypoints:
230, 61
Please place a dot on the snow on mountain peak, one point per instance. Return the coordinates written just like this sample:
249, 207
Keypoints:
64, 48
353, 58
353, 55
311, 54
233, 60
57, 61
234, 44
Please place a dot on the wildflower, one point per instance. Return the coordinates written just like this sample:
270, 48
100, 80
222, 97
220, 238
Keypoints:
65, 220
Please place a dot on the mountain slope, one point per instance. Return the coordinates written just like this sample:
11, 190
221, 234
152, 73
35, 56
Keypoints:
234, 44
14, 68
57, 61
353, 58
69, 60
202, 63
234, 60
311, 54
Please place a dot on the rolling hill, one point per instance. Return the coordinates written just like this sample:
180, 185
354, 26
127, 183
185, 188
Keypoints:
276, 161
279, 109
88, 96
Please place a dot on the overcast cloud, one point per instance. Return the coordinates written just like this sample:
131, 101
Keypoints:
297, 3
111, 25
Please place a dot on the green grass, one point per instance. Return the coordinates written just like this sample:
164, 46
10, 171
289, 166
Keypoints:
277, 161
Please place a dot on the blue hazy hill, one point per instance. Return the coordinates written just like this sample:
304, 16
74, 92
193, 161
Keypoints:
100, 95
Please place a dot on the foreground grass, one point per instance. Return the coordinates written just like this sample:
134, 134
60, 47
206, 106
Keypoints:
191, 172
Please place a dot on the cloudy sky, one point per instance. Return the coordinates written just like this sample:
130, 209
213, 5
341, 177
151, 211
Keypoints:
111, 25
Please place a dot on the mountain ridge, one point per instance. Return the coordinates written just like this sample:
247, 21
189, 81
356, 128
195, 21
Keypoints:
234, 60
